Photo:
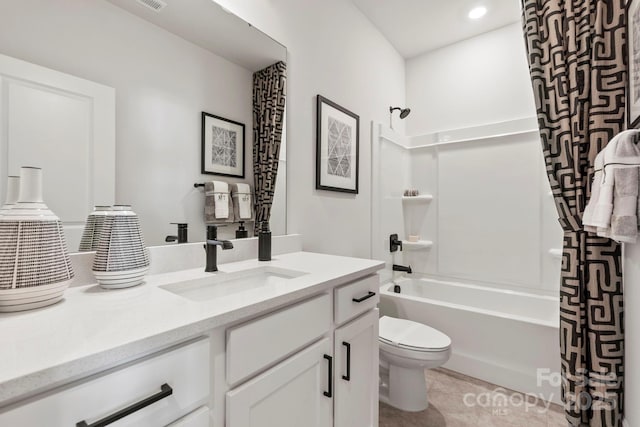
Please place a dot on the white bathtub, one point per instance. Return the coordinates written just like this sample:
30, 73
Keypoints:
500, 336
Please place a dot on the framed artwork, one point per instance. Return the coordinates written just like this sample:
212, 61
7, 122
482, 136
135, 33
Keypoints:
633, 79
337, 147
222, 146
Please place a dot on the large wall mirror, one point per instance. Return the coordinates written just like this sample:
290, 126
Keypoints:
107, 97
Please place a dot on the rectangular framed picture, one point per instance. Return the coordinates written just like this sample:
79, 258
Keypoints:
633, 84
337, 147
222, 146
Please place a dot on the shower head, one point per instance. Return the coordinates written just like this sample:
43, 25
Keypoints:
404, 112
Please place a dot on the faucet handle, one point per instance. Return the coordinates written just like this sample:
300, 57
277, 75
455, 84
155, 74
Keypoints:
394, 243
182, 233
212, 232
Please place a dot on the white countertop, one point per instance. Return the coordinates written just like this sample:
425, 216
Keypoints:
93, 329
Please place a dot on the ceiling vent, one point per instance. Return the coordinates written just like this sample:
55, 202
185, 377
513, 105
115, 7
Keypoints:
155, 5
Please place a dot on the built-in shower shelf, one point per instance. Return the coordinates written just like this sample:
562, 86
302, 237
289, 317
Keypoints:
556, 253
421, 198
416, 246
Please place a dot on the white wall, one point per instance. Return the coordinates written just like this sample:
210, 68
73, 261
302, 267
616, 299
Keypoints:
632, 333
477, 81
333, 50
162, 84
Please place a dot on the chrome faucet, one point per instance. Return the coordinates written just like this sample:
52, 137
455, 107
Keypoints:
402, 268
211, 246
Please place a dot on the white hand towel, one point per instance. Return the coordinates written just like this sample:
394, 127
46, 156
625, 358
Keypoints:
611, 209
244, 201
604, 206
589, 210
221, 197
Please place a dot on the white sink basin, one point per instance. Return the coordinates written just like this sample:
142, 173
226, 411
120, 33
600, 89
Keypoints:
224, 284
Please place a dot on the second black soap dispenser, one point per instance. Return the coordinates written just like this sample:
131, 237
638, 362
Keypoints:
264, 242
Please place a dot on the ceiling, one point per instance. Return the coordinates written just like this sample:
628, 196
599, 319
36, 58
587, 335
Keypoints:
417, 26
209, 26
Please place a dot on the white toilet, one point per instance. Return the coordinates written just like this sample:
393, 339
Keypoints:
406, 349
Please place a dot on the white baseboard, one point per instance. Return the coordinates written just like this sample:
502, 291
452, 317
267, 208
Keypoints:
501, 376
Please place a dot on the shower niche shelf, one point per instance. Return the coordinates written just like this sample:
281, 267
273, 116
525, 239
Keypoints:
416, 246
415, 199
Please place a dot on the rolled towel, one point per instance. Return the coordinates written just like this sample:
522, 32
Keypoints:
624, 220
244, 201
612, 202
217, 200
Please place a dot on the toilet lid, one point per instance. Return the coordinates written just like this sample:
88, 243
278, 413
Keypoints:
412, 335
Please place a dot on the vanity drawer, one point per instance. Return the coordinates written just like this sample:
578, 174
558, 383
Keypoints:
260, 343
178, 379
356, 297
198, 418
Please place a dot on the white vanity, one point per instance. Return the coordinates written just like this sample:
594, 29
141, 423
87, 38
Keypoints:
196, 349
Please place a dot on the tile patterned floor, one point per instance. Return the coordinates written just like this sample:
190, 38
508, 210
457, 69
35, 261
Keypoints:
447, 408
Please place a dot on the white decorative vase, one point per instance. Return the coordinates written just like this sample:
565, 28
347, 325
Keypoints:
93, 227
121, 259
13, 190
35, 268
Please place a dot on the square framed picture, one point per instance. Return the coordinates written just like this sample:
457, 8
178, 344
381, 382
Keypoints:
337, 147
633, 76
222, 146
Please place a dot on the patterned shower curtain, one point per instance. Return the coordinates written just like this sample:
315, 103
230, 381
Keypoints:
269, 96
577, 60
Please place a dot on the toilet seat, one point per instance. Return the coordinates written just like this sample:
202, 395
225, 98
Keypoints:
404, 337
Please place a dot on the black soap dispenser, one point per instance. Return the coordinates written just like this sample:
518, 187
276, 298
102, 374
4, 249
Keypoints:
264, 242
241, 232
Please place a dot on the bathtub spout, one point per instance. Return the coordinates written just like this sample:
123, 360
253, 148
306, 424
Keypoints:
402, 268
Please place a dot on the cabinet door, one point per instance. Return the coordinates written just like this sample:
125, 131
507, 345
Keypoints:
297, 392
356, 374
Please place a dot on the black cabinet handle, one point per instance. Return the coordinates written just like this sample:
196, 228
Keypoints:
348, 376
366, 297
329, 376
165, 391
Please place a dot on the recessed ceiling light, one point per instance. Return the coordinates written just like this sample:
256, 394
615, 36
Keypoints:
477, 12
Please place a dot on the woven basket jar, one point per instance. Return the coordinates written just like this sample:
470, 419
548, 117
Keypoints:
121, 260
35, 268
92, 228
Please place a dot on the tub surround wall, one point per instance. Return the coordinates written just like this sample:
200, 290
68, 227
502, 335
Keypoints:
391, 175
491, 220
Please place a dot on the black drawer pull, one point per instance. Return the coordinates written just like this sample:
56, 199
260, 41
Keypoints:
165, 391
348, 376
366, 297
329, 376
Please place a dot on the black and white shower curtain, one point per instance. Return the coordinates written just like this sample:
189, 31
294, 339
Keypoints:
577, 61
269, 97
